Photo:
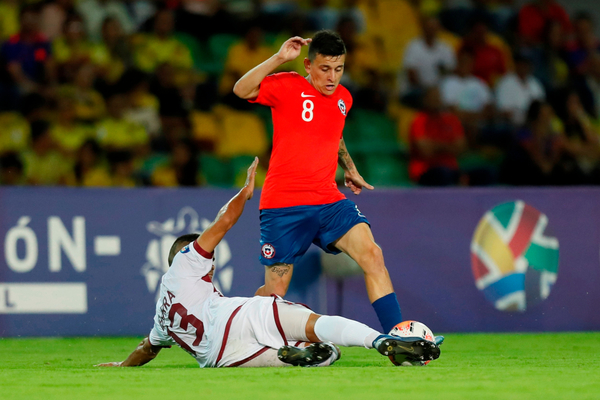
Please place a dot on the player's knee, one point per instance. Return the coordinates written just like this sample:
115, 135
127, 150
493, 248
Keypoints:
372, 259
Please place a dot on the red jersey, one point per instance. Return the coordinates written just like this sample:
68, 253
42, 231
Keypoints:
308, 128
442, 128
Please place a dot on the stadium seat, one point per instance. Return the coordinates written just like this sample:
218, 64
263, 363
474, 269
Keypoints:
243, 134
200, 55
386, 170
375, 133
216, 171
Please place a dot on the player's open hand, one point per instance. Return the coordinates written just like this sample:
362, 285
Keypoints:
249, 186
356, 182
290, 50
110, 364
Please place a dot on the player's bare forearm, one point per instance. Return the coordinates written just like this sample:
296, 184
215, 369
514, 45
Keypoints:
143, 354
344, 159
352, 178
248, 86
229, 213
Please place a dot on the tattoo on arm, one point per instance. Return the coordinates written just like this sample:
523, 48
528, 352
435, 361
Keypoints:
281, 269
344, 159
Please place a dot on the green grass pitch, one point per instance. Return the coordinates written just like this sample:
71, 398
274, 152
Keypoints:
472, 366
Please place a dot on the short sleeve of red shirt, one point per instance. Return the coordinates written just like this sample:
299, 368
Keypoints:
271, 89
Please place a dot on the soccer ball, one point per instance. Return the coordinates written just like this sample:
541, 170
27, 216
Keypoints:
410, 329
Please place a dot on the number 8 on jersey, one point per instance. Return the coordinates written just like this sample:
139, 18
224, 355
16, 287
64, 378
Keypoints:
307, 111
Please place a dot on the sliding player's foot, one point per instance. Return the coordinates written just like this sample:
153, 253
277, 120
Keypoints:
414, 348
315, 354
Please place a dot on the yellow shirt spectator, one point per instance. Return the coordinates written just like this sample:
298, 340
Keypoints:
241, 58
121, 134
14, 135
9, 19
97, 177
153, 51
70, 138
48, 169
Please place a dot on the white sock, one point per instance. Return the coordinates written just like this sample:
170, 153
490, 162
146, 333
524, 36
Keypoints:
345, 332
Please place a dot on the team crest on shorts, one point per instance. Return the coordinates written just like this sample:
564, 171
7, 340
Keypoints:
268, 251
342, 106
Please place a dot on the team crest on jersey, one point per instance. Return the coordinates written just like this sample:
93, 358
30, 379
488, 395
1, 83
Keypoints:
186, 249
268, 251
342, 106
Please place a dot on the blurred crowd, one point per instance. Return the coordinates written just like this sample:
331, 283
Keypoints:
103, 93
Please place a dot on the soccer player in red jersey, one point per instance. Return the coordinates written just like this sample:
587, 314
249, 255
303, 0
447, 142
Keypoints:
300, 202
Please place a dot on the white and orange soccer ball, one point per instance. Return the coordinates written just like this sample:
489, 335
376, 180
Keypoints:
410, 329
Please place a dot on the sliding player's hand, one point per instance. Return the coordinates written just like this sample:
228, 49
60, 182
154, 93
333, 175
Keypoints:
356, 182
249, 186
290, 50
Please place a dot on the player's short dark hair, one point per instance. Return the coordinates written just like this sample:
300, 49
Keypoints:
179, 243
326, 43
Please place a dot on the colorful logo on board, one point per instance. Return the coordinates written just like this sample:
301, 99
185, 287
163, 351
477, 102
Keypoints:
513, 256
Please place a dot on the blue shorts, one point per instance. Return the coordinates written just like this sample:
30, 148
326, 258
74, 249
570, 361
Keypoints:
286, 233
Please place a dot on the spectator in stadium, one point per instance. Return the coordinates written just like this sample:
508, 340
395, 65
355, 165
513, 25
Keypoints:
549, 64
9, 18
113, 53
15, 132
536, 157
53, 16
181, 168
161, 46
122, 169
582, 139
27, 59
516, 91
242, 57
94, 13
426, 60
588, 87
67, 133
116, 133
89, 104
536, 15
143, 106
466, 95
490, 62
72, 49
43, 164
11, 170
351, 9
436, 140
585, 43
322, 15
91, 170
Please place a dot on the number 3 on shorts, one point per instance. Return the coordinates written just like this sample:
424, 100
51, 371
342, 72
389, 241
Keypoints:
307, 110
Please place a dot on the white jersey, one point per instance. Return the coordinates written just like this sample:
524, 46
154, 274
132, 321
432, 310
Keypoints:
217, 331
182, 310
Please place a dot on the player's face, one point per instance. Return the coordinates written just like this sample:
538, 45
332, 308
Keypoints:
325, 72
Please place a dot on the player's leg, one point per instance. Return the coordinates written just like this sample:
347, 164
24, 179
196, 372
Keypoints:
332, 331
277, 280
345, 228
359, 244
285, 235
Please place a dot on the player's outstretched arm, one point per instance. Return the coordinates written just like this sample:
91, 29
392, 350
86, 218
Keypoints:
229, 214
249, 85
352, 178
143, 354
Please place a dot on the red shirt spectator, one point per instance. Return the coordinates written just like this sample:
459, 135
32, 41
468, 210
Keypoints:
436, 138
534, 17
489, 62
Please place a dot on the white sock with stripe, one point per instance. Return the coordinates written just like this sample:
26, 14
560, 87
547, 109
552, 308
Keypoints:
345, 332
